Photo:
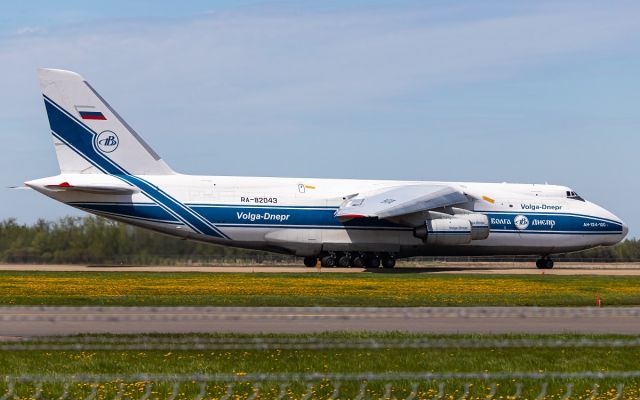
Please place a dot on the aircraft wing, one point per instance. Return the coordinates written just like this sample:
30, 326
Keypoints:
400, 200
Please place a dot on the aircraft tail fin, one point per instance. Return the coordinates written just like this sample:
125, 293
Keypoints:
89, 135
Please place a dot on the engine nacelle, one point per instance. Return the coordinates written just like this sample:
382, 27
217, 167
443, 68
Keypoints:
445, 231
479, 225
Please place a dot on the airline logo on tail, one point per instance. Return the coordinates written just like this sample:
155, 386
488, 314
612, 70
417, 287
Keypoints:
107, 141
89, 112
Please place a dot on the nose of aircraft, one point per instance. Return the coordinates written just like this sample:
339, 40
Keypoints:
604, 213
625, 229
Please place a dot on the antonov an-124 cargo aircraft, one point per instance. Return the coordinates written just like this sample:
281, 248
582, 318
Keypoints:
107, 169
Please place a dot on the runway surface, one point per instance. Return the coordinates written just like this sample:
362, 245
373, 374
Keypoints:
507, 268
42, 321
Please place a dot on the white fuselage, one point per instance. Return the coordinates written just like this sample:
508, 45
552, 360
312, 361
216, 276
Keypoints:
109, 170
296, 216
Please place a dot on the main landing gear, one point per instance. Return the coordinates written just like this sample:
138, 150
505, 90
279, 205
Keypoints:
356, 260
310, 261
544, 263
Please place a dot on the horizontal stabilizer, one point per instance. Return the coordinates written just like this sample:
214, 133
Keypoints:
98, 189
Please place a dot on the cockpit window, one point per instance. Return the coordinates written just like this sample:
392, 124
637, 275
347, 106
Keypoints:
573, 195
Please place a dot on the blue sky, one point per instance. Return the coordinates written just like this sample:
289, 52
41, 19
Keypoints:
469, 91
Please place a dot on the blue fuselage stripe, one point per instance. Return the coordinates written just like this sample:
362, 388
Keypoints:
239, 216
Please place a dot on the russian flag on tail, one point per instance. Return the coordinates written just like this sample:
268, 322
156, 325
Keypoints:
89, 112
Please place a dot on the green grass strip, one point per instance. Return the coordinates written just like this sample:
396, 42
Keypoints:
322, 289
48, 363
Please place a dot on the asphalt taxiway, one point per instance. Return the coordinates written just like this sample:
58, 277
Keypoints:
38, 321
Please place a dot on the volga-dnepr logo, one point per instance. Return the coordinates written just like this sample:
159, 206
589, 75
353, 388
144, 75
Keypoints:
107, 141
521, 222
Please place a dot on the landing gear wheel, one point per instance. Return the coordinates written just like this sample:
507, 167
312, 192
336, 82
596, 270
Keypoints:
388, 262
344, 261
373, 262
310, 261
357, 262
328, 261
544, 263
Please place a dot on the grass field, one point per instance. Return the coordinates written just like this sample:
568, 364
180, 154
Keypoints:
386, 290
243, 362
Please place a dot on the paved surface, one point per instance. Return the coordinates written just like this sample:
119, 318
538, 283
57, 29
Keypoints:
628, 269
37, 321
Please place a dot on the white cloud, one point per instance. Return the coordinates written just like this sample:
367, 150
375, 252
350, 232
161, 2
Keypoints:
307, 63
29, 30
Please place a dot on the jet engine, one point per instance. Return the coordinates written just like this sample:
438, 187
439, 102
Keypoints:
444, 231
479, 223
458, 228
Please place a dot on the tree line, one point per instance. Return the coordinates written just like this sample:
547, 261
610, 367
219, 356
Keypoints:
95, 240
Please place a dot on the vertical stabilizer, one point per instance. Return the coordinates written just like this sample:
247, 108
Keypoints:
89, 136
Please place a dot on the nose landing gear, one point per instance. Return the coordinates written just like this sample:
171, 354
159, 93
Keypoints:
544, 263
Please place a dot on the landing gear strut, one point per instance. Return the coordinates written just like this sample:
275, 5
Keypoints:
544, 263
